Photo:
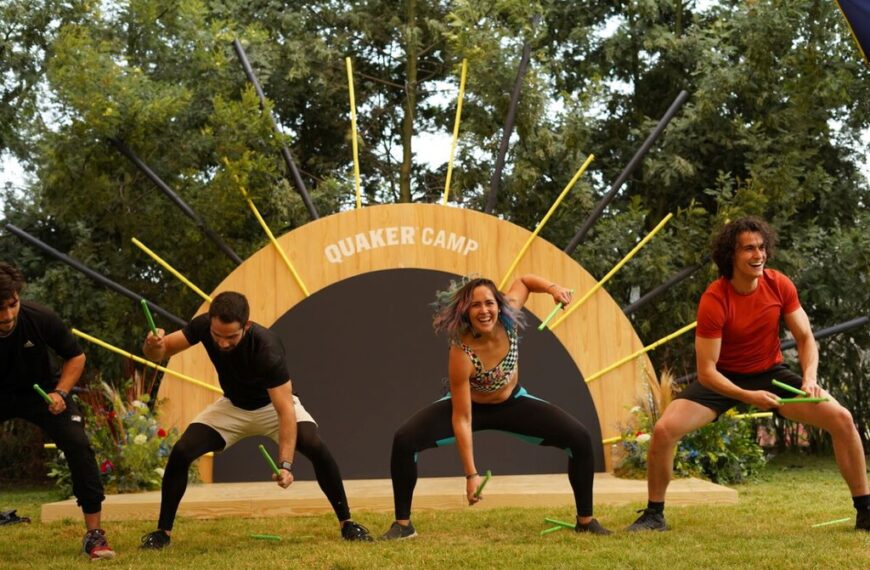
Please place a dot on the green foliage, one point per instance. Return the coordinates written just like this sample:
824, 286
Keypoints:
779, 103
130, 446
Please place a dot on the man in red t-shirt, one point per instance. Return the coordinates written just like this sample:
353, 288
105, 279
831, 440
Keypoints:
738, 354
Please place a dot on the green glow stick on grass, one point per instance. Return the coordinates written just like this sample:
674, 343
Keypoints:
838, 521
42, 393
552, 314
483, 484
149, 317
269, 460
788, 388
551, 529
560, 523
802, 400
266, 537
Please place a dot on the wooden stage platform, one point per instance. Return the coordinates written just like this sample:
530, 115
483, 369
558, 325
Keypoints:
376, 495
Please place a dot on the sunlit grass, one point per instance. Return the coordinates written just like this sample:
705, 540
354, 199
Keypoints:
769, 528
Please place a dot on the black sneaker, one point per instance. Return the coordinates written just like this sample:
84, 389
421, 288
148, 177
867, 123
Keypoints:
862, 521
649, 520
155, 540
592, 527
399, 532
95, 545
10, 517
355, 531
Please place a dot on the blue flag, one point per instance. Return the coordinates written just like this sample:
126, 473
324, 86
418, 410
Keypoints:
857, 13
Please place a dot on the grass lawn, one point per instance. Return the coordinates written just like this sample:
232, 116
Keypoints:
769, 528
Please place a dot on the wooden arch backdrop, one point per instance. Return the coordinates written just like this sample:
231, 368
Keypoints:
333, 249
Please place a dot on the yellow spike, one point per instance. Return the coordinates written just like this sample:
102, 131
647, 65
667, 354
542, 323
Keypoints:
141, 360
356, 178
611, 440
268, 231
455, 131
543, 222
170, 269
644, 350
574, 306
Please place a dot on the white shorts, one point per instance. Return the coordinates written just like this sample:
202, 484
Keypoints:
234, 423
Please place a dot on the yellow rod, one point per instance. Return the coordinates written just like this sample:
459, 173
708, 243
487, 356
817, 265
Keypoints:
543, 222
356, 179
269, 232
754, 415
170, 269
611, 440
141, 360
49, 446
277, 247
644, 350
574, 306
455, 131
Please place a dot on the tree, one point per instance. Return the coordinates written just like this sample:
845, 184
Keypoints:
779, 100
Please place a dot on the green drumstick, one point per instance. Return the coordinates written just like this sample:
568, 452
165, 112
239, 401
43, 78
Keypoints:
838, 521
42, 393
148, 316
788, 388
552, 314
483, 484
802, 400
266, 537
270, 460
560, 523
551, 529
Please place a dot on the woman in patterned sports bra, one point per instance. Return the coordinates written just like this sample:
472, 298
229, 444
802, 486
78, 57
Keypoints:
482, 326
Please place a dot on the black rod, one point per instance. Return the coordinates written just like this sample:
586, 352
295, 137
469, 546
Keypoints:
674, 280
509, 125
99, 278
285, 152
629, 169
788, 343
121, 147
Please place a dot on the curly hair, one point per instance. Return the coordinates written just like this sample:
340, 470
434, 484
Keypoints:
725, 242
451, 308
11, 281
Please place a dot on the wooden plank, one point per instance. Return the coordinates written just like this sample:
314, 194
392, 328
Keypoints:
376, 495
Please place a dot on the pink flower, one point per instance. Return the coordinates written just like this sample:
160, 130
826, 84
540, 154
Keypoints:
106, 466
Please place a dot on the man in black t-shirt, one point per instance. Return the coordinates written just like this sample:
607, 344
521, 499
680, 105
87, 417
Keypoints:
258, 400
28, 332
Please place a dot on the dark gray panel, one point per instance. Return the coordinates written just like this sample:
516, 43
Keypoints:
363, 358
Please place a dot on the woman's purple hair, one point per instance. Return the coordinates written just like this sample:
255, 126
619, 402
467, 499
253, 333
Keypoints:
452, 304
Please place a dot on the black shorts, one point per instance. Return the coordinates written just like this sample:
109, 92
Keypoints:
696, 392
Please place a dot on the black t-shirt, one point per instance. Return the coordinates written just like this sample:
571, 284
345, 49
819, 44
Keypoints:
245, 373
24, 354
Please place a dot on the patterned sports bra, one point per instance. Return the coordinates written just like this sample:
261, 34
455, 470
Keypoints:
498, 376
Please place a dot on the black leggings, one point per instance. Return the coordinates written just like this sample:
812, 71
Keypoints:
199, 439
523, 415
68, 433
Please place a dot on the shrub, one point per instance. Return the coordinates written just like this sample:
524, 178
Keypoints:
724, 451
130, 446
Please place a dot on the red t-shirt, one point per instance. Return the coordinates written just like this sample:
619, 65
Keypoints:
747, 324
